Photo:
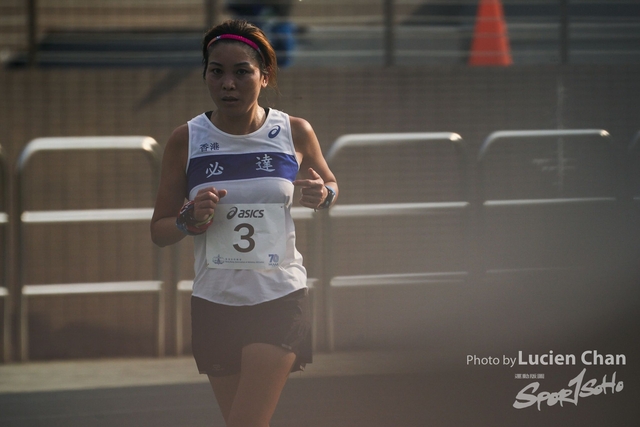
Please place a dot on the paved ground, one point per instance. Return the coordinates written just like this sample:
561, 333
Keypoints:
373, 389
95, 374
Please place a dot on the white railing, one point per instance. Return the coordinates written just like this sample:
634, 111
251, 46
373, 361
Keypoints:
145, 145
321, 229
490, 205
417, 208
5, 295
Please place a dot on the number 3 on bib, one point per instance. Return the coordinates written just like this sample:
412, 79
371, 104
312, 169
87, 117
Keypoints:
247, 236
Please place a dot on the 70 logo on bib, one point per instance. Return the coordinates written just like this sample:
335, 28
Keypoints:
247, 236
274, 259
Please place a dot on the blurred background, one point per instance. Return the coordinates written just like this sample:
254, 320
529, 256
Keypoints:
487, 154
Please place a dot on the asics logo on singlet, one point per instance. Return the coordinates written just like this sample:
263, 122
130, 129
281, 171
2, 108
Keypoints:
274, 132
245, 213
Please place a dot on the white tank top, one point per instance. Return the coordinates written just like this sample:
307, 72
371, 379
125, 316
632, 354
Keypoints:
248, 255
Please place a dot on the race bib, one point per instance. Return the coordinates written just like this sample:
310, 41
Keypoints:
247, 236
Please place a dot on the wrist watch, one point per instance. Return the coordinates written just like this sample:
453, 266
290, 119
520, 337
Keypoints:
331, 194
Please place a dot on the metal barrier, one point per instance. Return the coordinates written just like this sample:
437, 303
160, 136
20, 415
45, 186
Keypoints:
558, 164
183, 287
633, 187
403, 210
146, 145
5, 295
322, 224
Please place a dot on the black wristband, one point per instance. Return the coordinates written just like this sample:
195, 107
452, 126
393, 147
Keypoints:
331, 194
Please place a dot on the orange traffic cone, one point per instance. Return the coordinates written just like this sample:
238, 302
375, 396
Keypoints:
490, 45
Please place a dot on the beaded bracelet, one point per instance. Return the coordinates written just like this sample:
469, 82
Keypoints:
188, 224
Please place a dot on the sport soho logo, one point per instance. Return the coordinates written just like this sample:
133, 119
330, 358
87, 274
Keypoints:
245, 213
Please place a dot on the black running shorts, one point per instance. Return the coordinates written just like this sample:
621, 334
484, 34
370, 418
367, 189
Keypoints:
219, 332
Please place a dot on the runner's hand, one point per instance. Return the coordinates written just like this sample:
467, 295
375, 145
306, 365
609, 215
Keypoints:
205, 202
313, 190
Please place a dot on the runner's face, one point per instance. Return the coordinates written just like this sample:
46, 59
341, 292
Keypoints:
233, 77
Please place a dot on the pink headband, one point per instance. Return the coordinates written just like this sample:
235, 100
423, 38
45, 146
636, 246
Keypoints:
238, 38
